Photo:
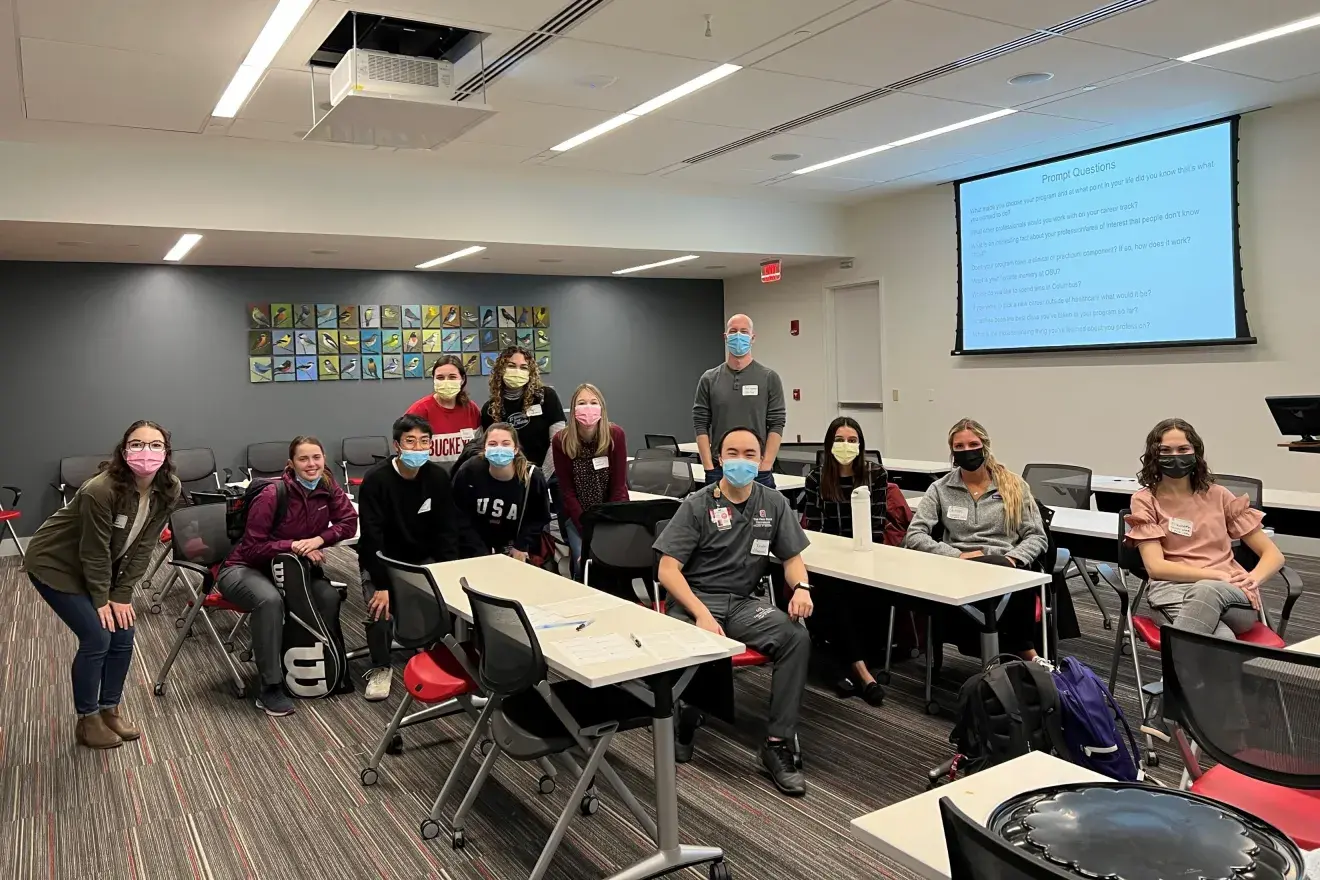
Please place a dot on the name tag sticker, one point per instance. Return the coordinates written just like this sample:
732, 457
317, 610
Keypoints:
467, 434
121, 521
751, 390
761, 547
533, 411
426, 506
720, 516
958, 514
600, 462
1181, 527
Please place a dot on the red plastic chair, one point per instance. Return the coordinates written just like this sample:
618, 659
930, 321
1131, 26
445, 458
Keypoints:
9, 516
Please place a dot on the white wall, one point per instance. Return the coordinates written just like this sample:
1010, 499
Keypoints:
1094, 408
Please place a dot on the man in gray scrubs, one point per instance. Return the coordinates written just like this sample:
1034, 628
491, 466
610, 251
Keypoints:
716, 550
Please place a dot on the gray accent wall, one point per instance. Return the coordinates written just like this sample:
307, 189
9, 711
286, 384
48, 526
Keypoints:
87, 348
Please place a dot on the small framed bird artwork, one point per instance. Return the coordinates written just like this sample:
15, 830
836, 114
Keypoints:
282, 343
430, 317
350, 367
284, 369
488, 362
259, 342
430, 340
412, 340
490, 340
452, 316
369, 317
348, 317
525, 338
327, 368
304, 341
472, 364
524, 315
390, 317
349, 342
508, 316
542, 340
304, 316
412, 317
261, 369
305, 368
258, 316
508, 338
371, 366
370, 341
471, 340
488, 317
412, 366
541, 316
451, 340
469, 317
392, 368
327, 316
327, 342
281, 315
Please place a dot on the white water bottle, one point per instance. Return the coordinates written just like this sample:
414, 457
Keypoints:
861, 518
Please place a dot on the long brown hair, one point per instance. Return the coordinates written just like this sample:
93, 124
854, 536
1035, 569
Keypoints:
572, 441
122, 475
531, 391
449, 360
304, 440
830, 469
1150, 475
521, 466
1013, 490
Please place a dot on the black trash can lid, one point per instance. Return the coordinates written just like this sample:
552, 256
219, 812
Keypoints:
1125, 831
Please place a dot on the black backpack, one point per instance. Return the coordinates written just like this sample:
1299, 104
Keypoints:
1008, 709
238, 504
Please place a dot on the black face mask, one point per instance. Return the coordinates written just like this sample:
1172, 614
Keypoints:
969, 459
1177, 465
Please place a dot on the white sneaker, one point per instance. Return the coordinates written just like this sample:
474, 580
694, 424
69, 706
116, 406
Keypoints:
378, 684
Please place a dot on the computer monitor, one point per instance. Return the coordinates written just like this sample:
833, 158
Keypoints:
1297, 414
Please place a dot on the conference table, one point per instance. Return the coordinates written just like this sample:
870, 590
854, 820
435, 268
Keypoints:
657, 674
1289, 511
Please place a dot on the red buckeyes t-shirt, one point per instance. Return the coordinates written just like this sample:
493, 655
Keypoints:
451, 429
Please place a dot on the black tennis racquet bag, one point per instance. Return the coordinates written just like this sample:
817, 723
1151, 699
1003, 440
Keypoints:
314, 661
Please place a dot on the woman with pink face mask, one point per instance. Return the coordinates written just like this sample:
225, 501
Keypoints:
591, 462
85, 561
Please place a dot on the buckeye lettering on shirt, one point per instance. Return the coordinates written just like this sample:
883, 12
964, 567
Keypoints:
451, 429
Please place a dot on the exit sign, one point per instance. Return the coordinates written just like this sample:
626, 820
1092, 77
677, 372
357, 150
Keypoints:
770, 271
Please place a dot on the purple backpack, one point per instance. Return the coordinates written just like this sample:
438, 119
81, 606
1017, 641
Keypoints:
1092, 721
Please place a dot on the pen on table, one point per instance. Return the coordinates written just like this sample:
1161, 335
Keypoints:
583, 625
577, 624
636, 641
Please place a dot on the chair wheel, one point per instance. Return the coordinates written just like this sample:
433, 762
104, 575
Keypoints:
457, 840
932, 708
158, 689
590, 805
178, 623
229, 647
396, 745
546, 784
1152, 759
884, 678
485, 746
1109, 624
245, 655
430, 829
1126, 650
155, 608
720, 871
369, 776
240, 692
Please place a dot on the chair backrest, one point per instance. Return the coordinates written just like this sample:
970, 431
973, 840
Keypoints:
657, 453
198, 534
267, 459
977, 853
662, 441
363, 452
1249, 486
511, 660
1256, 710
668, 476
78, 469
1060, 485
421, 618
194, 465
620, 534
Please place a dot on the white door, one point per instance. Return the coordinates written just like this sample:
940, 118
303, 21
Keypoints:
859, 385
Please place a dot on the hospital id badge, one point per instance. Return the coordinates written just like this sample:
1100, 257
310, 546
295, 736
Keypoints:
721, 517
760, 546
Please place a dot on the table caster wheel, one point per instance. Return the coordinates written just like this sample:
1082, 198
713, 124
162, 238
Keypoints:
396, 745
245, 655
720, 871
884, 678
430, 829
1152, 759
159, 689
546, 784
155, 608
590, 805
457, 840
229, 647
932, 708
369, 776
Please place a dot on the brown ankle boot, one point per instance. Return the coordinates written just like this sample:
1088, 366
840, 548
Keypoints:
122, 728
93, 733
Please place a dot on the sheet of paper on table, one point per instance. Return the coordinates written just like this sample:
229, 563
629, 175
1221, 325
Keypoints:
591, 650
542, 617
677, 645
582, 606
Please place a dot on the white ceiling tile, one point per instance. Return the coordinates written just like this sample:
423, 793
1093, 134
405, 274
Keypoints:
91, 84
822, 182
520, 14
552, 75
1172, 28
678, 27
1177, 94
891, 43
1074, 64
756, 156
1286, 58
1024, 13
262, 130
759, 99
705, 172
485, 155
285, 96
518, 124
645, 145
896, 115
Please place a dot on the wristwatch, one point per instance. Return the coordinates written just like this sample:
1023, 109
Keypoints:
802, 586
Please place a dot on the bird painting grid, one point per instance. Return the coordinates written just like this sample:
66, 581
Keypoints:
311, 342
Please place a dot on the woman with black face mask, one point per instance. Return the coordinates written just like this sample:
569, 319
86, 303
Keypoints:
1184, 525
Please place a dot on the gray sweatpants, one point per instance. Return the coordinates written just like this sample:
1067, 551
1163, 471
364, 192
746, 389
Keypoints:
1206, 607
758, 624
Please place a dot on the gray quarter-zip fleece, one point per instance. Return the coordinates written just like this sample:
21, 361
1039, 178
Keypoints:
983, 528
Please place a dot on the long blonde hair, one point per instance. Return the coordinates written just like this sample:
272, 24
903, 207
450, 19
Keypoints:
531, 391
573, 443
521, 467
1014, 491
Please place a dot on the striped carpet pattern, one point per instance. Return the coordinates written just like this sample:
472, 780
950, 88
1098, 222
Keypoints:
216, 790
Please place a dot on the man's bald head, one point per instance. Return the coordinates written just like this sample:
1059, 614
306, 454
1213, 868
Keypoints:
740, 324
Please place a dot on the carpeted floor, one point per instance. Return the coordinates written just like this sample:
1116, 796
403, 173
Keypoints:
215, 789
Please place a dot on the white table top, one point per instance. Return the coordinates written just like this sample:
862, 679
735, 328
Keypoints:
917, 466
647, 496
1287, 498
690, 448
911, 832
508, 578
1087, 523
1310, 646
921, 575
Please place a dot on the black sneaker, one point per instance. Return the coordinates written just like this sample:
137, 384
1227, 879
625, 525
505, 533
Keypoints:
845, 687
777, 757
689, 720
873, 693
275, 702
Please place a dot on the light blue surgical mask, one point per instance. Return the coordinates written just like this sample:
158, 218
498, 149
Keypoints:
738, 343
309, 485
500, 455
414, 458
740, 471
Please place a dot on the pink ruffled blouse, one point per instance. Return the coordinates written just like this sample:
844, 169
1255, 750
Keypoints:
1214, 517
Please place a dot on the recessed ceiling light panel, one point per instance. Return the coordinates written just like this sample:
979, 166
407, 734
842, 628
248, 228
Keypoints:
936, 132
180, 250
456, 255
1272, 33
646, 266
278, 27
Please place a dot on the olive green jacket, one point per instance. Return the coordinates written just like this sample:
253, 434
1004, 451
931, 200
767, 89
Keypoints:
80, 549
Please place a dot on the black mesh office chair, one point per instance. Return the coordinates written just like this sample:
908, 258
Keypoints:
358, 454
616, 544
197, 471
1256, 712
658, 454
76, 470
670, 476
1066, 485
662, 441
976, 853
265, 460
1255, 491
531, 718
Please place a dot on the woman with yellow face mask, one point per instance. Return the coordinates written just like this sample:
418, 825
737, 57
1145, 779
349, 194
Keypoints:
454, 418
518, 397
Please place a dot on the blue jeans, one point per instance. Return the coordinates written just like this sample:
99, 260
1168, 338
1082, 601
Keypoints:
765, 478
574, 541
101, 663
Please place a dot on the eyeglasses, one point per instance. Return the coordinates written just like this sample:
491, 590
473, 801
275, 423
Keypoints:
138, 446
415, 443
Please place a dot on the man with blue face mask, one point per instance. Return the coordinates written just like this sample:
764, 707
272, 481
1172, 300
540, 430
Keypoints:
715, 553
739, 391
406, 509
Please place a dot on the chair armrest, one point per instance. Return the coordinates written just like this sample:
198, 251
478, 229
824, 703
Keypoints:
1295, 590
207, 579
1111, 577
17, 492
229, 476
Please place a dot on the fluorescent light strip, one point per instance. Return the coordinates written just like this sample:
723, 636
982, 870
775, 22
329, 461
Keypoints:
181, 247
277, 30
656, 265
456, 255
655, 103
1281, 31
966, 123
